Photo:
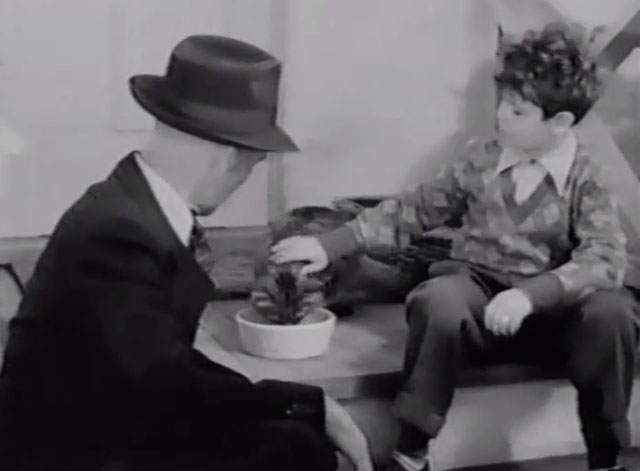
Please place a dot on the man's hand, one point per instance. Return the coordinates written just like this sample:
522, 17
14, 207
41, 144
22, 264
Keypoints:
346, 435
301, 249
506, 311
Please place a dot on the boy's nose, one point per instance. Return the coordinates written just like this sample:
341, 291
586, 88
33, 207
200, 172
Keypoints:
501, 112
502, 121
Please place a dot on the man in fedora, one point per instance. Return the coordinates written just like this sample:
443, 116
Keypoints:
100, 372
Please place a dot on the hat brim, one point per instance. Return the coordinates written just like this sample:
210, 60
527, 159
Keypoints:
152, 93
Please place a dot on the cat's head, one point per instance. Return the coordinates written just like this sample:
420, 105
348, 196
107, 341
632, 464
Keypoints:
284, 296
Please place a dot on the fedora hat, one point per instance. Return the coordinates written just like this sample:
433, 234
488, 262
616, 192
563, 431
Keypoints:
219, 89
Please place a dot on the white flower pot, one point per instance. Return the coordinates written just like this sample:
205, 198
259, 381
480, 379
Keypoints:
309, 338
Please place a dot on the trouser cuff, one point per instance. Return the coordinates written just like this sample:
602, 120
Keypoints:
605, 443
416, 411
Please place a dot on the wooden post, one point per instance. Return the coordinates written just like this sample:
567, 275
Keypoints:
622, 44
276, 198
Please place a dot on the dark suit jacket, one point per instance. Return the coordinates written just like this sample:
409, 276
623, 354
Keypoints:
100, 357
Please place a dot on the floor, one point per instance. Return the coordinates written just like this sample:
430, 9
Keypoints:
631, 459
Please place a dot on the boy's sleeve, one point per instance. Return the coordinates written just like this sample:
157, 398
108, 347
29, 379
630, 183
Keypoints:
598, 261
395, 222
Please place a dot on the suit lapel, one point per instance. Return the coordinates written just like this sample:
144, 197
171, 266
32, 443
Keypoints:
192, 288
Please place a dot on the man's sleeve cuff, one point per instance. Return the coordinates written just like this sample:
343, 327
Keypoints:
339, 242
545, 291
294, 401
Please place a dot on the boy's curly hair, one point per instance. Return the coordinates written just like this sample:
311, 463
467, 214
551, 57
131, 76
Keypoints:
552, 68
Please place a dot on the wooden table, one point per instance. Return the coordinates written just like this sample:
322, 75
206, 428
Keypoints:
364, 356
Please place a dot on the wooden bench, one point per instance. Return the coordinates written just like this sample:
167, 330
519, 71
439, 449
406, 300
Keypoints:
506, 412
364, 359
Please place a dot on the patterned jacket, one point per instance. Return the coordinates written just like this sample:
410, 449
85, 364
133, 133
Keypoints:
556, 246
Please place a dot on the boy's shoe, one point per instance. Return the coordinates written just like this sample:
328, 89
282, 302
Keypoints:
396, 465
393, 465
615, 468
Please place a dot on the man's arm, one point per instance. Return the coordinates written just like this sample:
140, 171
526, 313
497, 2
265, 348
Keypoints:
599, 259
125, 293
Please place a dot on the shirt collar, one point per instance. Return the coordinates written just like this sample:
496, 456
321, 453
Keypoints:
171, 203
557, 162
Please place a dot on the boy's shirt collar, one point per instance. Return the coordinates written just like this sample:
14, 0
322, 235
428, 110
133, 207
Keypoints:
556, 162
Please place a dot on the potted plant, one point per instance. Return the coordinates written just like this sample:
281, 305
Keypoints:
286, 319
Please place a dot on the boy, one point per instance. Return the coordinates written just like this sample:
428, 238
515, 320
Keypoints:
539, 257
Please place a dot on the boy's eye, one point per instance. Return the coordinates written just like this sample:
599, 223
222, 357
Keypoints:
518, 112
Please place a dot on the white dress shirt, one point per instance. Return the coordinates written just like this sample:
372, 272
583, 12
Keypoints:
528, 173
173, 206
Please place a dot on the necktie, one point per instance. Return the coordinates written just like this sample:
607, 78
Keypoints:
199, 245
197, 235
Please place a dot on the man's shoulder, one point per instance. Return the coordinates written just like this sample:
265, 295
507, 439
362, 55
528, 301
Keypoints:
101, 210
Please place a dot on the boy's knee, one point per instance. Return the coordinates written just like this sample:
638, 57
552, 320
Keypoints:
609, 312
440, 289
434, 303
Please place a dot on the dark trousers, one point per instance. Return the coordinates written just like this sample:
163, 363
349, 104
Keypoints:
278, 445
595, 341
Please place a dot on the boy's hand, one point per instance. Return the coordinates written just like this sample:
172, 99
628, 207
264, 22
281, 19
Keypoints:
301, 249
506, 311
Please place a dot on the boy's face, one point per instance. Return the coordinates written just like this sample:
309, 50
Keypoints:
522, 126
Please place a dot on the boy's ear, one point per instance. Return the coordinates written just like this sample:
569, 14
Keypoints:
562, 122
